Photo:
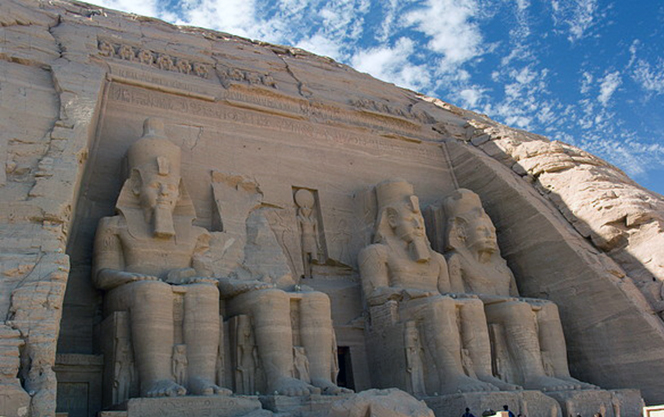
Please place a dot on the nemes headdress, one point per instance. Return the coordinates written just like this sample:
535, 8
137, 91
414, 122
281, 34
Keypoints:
153, 153
392, 194
462, 203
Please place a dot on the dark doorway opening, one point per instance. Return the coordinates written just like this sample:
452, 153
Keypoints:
345, 378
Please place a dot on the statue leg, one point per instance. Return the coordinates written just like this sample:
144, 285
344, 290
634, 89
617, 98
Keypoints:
150, 305
201, 335
270, 310
442, 336
552, 342
316, 334
475, 338
518, 320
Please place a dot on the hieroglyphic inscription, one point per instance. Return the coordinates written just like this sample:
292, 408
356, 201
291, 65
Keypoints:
135, 96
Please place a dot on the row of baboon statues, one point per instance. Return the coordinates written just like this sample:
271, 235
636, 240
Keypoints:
452, 307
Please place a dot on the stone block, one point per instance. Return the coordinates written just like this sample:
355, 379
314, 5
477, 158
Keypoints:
309, 406
192, 407
608, 403
529, 403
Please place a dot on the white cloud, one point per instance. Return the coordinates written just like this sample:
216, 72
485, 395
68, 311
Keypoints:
586, 82
578, 15
321, 45
233, 16
608, 86
649, 78
391, 64
145, 8
448, 25
471, 97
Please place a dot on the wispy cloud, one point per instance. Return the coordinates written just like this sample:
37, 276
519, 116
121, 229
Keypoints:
578, 16
449, 26
650, 77
392, 64
608, 86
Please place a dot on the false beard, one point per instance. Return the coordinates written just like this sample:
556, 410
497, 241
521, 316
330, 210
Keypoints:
419, 250
163, 222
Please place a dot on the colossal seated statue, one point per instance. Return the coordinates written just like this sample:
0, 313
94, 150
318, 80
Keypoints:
146, 250
150, 257
400, 269
532, 351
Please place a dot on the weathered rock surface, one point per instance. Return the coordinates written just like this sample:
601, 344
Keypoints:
77, 83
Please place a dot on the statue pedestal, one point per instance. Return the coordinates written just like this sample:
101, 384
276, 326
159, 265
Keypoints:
192, 406
529, 403
306, 406
614, 403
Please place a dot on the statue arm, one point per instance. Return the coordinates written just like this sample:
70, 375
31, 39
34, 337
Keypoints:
108, 271
375, 276
230, 287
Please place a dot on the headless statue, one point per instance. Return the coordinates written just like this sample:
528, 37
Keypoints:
532, 328
401, 266
146, 249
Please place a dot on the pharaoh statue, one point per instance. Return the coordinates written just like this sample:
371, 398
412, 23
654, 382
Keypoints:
401, 267
146, 253
531, 328
277, 315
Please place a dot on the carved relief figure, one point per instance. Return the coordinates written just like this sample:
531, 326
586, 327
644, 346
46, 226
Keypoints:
300, 364
148, 247
124, 372
308, 227
414, 364
246, 356
532, 328
401, 266
180, 363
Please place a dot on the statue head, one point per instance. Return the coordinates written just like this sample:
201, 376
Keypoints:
154, 183
468, 225
305, 201
400, 218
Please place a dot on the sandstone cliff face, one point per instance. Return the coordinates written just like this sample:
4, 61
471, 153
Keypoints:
574, 229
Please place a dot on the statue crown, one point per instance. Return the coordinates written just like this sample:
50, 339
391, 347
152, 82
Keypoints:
153, 152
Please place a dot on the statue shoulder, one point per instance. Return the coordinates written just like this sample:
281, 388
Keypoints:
111, 224
376, 251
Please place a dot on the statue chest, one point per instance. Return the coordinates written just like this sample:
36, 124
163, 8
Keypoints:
407, 273
156, 256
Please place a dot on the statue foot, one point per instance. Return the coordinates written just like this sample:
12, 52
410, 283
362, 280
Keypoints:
292, 387
329, 388
463, 383
583, 385
502, 385
199, 386
165, 388
547, 383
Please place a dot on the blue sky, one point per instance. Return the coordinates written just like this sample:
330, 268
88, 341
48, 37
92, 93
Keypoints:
586, 72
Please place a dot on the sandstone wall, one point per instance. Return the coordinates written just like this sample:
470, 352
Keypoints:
77, 81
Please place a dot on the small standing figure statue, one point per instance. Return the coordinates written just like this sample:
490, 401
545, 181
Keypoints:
300, 364
180, 363
308, 226
414, 359
124, 372
246, 355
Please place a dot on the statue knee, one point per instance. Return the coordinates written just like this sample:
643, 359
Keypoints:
203, 291
271, 299
150, 292
318, 300
441, 307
